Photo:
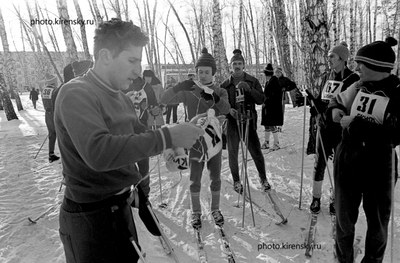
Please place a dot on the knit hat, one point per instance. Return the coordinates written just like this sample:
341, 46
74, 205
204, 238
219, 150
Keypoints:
50, 80
269, 70
148, 73
341, 50
68, 73
206, 60
81, 67
237, 56
378, 56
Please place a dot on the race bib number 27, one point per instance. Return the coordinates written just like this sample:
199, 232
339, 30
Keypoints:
331, 89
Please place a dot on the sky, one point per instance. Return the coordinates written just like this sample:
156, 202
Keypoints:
14, 31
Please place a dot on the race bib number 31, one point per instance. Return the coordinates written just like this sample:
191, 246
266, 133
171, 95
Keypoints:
370, 106
331, 89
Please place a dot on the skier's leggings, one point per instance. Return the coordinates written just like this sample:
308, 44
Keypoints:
98, 232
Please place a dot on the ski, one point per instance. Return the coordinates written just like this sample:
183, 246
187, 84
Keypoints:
225, 245
276, 208
200, 246
310, 242
356, 247
270, 150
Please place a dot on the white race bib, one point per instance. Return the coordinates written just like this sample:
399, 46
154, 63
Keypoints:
331, 89
47, 92
370, 106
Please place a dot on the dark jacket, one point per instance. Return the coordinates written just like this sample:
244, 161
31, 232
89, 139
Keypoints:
33, 95
255, 96
272, 112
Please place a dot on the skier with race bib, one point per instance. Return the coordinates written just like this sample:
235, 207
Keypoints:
338, 79
369, 113
201, 98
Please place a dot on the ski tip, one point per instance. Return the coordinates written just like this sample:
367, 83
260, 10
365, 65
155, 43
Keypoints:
283, 222
163, 205
31, 221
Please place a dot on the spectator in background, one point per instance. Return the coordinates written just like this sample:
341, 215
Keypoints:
81, 67
272, 113
171, 108
286, 86
155, 119
34, 96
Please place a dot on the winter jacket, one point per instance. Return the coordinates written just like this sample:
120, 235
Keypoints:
375, 108
255, 96
272, 111
100, 139
195, 103
33, 95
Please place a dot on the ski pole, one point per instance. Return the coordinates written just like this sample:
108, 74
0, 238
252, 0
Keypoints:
138, 251
164, 237
239, 125
246, 177
325, 157
392, 205
302, 152
41, 147
162, 204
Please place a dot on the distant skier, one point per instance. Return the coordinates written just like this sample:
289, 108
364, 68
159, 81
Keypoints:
369, 112
34, 96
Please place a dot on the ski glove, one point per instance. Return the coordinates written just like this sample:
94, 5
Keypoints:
186, 85
208, 97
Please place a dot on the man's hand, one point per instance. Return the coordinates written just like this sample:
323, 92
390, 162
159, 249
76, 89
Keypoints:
345, 121
337, 115
185, 134
233, 113
155, 111
186, 85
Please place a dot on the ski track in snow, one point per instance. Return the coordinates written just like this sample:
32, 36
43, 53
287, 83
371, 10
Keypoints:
30, 187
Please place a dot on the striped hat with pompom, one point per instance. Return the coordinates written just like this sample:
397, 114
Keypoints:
206, 60
378, 56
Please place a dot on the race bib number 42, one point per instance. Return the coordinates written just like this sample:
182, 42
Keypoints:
331, 89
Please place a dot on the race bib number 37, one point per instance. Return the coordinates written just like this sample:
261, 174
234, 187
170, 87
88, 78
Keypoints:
331, 89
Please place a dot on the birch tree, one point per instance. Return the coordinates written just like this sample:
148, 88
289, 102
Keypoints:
83, 30
219, 47
67, 31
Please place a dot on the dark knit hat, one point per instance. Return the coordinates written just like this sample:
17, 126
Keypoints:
237, 56
341, 50
378, 56
206, 60
148, 73
81, 67
269, 70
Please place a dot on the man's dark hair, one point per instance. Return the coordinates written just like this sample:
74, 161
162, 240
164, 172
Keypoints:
116, 35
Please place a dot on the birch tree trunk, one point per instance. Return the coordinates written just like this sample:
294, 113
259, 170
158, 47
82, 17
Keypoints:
316, 26
375, 18
334, 23
83, 31
255, 39
240, 24
352, 38
5, 99
67, 31
219, 47
9, 65
282, 37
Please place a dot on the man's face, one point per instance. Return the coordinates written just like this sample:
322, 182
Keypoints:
365, 73
237, 67
334, 61
125, 67
204, 74
278, 73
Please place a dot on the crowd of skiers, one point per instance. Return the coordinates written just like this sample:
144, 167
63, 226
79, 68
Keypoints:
108, 117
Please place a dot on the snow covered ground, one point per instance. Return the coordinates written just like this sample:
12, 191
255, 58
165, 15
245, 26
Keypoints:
30, 188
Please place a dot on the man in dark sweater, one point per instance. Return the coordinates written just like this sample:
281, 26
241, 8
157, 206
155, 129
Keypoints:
101, 139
